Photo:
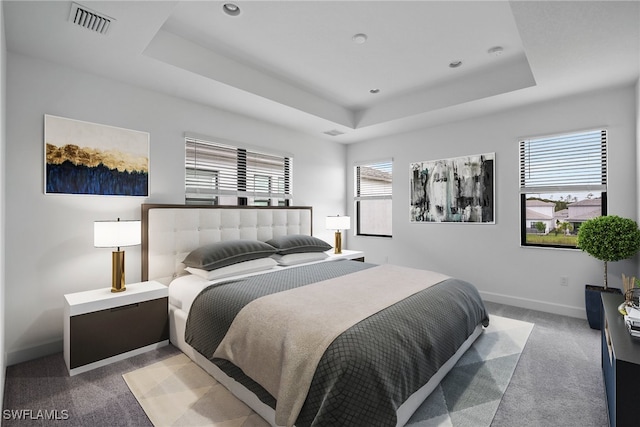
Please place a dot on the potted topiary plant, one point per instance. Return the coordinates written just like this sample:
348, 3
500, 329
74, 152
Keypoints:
607, 238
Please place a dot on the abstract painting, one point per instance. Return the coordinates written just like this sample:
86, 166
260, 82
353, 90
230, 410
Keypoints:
459, 189
89, 158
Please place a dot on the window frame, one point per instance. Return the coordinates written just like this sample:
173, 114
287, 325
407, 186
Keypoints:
565, 188
239, 183
386, 194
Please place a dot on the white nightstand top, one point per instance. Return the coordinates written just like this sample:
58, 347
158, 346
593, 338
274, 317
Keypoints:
346, 254
102, 299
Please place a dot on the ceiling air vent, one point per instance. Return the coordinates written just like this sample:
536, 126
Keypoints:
334, 132
90, 19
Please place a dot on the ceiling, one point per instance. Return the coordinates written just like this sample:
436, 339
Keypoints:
296, 63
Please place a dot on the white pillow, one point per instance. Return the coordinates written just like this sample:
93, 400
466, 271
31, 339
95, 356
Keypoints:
234, 269
299, 258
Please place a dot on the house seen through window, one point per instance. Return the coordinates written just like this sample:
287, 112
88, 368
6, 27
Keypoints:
563, 182
222, 174
373, 191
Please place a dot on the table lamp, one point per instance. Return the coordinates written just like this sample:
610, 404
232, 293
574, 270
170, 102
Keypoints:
116, 234
338, 223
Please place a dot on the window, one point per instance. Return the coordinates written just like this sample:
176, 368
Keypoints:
220, 174
373, 198
563, 182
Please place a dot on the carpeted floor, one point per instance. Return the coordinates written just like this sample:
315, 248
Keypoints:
470, 393
557, 382
176, 392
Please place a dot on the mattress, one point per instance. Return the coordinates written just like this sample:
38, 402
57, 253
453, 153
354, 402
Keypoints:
178, 320
183, 292
184, 289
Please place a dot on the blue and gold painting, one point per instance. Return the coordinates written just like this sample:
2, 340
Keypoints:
89, 158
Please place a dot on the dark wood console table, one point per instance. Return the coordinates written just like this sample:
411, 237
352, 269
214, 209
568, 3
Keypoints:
620, 365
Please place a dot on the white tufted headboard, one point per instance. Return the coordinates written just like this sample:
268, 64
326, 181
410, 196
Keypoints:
170, 232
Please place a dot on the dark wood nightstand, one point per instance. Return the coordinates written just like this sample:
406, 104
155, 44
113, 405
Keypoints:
102, 327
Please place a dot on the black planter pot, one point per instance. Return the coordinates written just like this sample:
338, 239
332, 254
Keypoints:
593, 303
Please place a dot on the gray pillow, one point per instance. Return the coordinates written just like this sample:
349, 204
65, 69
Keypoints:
222, 254
297, 243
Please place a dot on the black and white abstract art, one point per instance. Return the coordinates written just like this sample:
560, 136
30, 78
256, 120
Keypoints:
459, 189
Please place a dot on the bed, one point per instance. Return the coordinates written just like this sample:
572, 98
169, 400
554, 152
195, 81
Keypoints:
345, 359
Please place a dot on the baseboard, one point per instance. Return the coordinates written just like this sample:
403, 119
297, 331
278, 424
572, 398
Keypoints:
547, 307
24, 355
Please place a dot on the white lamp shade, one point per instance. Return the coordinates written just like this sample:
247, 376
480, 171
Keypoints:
338, 223
112, 234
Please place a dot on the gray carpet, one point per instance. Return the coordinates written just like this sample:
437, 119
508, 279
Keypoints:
557, 382
176, 392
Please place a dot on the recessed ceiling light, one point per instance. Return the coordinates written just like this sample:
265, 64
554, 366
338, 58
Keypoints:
455, 64
496, 51
374, 91
359, 38
231, 9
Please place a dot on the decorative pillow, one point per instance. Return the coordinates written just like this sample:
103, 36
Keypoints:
235, 269
299, 258
296, 243
221, 254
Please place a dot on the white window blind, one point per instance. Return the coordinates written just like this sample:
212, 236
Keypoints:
576, 162
213, 170
374, 180
373, 198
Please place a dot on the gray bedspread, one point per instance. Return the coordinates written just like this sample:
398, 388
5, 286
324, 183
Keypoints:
369, 370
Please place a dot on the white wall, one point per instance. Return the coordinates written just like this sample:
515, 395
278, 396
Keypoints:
3, 87
51, 236
490, 256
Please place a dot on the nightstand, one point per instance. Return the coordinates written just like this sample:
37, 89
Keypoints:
102, 327
352, 255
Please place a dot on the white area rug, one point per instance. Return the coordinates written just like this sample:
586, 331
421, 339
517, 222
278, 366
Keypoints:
176, 392
470, 393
